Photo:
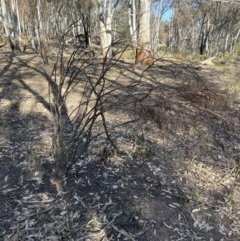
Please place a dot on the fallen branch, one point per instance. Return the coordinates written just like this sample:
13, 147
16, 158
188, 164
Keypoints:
208, 61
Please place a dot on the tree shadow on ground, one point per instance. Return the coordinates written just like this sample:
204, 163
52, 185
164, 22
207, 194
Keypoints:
23, 150
145, 192
199, 133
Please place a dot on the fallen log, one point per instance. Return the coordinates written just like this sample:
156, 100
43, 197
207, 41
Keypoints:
208, 61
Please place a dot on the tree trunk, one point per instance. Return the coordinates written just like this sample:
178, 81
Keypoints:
16, 25
86, 28
5, 18
202, 45
143, 48
105, 12
226, 43
157, 9
132, 23
37, 27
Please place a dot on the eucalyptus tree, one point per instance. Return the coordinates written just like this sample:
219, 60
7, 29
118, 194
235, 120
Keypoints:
16, 23
226, 25
11, 16
5, 17
139, 27
221, 21
158, 9
132, 22
179, 25
106, 10
212, 26
83, 17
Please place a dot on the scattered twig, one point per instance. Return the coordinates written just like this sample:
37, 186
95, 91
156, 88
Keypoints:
123, 232
35, 214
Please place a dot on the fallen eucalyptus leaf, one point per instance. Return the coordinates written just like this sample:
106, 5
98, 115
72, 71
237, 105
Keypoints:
63, 213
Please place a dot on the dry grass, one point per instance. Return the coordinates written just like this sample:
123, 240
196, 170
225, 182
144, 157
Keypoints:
128, 55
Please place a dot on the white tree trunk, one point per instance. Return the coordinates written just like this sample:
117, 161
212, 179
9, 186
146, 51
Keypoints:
132, 22
5, 18
38, 25
105, 12
207, 41
39, 16
226, 42
109, 14
193, 39
144, 24
157, 9
16, 23
143, 48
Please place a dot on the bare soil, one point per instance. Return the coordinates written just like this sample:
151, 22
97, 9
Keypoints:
176, 176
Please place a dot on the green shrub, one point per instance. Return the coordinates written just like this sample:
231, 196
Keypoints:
161, 47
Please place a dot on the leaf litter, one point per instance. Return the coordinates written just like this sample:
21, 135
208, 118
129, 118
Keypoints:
177, 179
